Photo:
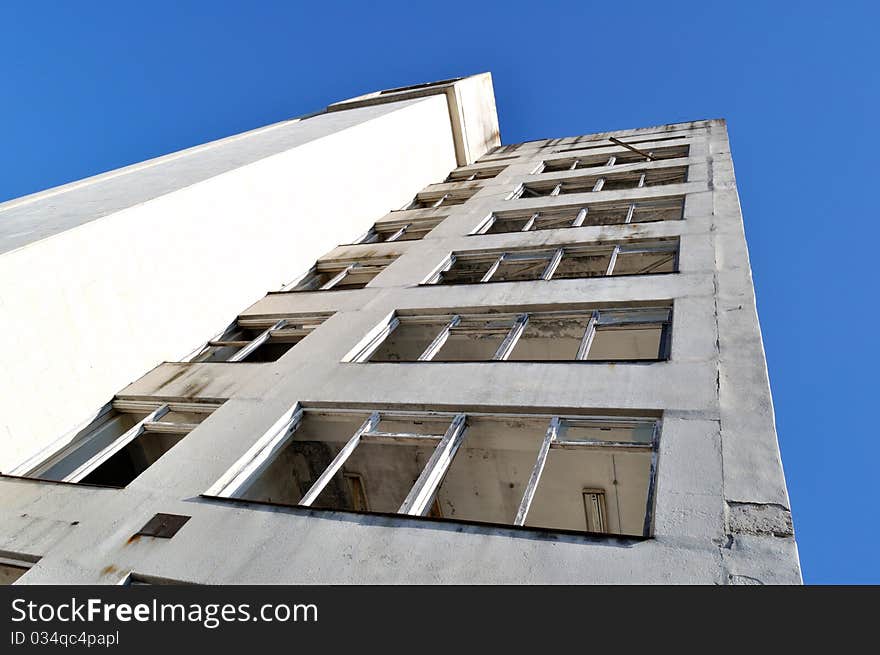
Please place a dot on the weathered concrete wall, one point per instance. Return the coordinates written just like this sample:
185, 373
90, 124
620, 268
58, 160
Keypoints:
103, 279
721, 512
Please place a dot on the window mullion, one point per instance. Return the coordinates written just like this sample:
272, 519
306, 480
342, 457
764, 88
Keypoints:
367, 351
493, 268
425, 488
589, 334
262, 338
399, 233
553, 264
336, 279
489, 223
530, 222
275, 440
513, 335
537, 470
435, 346
612, 260
435, 278
312, 494
130, 435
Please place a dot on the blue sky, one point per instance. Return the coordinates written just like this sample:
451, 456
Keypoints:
91, 86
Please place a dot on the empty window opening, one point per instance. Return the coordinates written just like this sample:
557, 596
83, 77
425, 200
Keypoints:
589, 263
614, 159
640, 334
632, 258
442, 198
588, 474
340, 275
469, 174
379, 468
609, 182
611, 213
259, 339
400, 230
123, 441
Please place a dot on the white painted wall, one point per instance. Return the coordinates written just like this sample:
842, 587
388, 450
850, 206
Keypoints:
88, 309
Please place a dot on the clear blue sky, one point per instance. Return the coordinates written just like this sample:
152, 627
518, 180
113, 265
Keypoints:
91, 86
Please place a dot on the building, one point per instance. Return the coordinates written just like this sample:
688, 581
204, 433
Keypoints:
544, 365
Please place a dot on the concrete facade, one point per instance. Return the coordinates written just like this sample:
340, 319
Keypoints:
718, 512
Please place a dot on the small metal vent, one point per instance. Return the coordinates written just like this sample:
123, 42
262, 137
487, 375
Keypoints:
163, 526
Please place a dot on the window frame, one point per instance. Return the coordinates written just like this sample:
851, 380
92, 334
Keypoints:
432, 199
398, 229
340, 269
555, 256
596, 182
234, 482
276, 327
580, 213
474, 173
68, 444
610, 160
597, 318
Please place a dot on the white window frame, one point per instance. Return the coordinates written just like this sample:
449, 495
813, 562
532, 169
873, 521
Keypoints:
597, 318
307, 282
287, 325
234, 482
579, 213
554, 257
68, 445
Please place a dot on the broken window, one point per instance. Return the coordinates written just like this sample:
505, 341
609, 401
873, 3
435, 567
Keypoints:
639, 334
400, 230
614, 159
609, 213
258, 339
125, 439
470, 173
509, 267
328, 275
607, 182
576, 261
442, 197
582, 473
